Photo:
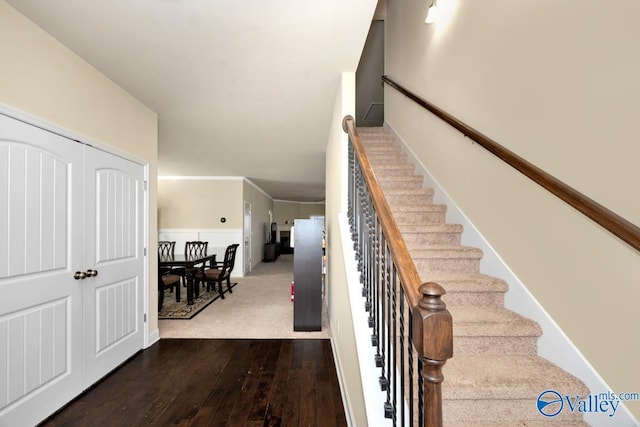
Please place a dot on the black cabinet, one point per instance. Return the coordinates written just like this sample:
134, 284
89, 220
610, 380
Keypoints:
270, 252
308, 274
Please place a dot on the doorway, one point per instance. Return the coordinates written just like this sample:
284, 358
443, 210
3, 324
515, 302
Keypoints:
369, 88
247, 237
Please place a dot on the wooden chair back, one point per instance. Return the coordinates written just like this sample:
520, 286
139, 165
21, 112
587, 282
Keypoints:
166, 247
229, 259
195, 248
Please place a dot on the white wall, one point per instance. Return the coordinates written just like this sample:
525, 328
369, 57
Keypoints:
555, 82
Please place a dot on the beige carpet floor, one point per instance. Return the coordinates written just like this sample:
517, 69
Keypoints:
259, 307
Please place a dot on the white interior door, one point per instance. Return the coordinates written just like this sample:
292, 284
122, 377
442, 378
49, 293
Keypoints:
66, 210
114, 298
41, 248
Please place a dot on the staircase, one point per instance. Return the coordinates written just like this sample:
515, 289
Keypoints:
495, 375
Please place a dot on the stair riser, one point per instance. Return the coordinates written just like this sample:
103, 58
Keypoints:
453, 265
420, 218
497, 410
396, 173
396, 159
381, 149
377, 140
494, 346
478, 299
400, 185
422, 240
397, 179
407, 199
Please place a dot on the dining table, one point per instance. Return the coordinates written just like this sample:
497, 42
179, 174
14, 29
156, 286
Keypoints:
190, 263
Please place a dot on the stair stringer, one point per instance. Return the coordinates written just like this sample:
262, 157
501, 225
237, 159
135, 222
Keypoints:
553, 345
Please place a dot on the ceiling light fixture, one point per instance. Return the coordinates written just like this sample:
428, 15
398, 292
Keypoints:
433, 13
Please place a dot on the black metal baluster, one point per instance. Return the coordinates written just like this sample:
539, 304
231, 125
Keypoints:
412, 385
385, 299
402, 356
394, 340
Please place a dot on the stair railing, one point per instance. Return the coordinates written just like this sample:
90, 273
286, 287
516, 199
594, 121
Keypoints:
614, 223
412, 330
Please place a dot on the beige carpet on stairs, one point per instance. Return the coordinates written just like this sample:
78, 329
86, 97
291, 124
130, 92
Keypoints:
259, 307
495, 376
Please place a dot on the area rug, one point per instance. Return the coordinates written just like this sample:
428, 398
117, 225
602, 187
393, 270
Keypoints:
181, 310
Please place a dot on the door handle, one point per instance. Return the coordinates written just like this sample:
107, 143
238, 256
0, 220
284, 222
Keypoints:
80, 275
92, 273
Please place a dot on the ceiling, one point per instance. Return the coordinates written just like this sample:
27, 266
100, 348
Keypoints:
241, 87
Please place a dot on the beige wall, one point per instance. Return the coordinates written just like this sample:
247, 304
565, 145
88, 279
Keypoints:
288, 211
557, 85
339, 303
44, 79
200, 203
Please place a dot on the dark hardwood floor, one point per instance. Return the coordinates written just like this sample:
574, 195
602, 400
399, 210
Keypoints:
198, 382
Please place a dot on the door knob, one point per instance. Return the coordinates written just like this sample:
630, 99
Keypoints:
92, 273
80, 275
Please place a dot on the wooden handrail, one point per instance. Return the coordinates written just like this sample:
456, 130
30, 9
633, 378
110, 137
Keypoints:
614, 223
407, 272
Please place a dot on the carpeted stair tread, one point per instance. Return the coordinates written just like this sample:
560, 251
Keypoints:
401, 178
446, 252
509, 377
412, 182
470, 289
397, 197
425, 236
371, 130
380, 144
457, 282
409, 192
407, 229
433, 213
393, 158
491, 321
394, 170
417, 208
503, 388
384, 167
461, 259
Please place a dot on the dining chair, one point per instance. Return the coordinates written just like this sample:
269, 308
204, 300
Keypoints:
166, 248
219, 271
193, 248
167, 281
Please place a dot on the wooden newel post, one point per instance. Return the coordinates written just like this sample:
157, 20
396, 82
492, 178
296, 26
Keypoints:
433, 338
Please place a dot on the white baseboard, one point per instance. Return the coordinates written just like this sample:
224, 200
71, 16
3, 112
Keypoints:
153, 337
341, 381
553, 345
